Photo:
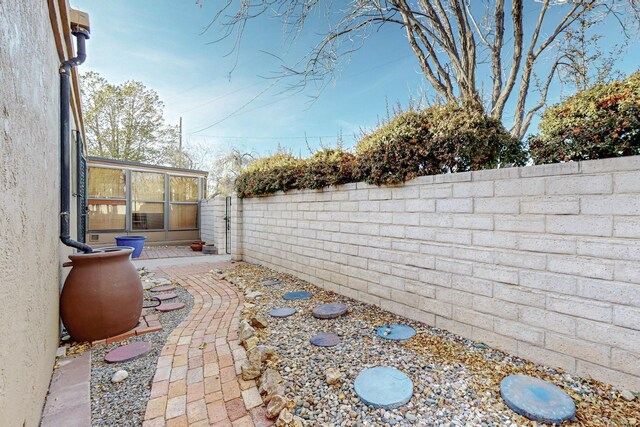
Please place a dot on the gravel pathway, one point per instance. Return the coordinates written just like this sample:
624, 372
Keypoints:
124, 403
456, 381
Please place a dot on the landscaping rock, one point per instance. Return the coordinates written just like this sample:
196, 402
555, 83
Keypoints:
628, 395
246, 331
253, 295
275, 406
120, 375
258, 321
285, 418
269, 380
333, 376
248, 371
250, 343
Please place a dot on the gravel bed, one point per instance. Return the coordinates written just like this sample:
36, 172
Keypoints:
124, 403
456, 380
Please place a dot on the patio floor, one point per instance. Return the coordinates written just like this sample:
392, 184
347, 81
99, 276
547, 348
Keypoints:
155, 252
197, 380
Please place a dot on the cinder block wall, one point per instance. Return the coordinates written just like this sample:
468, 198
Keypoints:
542, 262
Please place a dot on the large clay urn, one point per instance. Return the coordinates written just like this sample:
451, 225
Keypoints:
102, 296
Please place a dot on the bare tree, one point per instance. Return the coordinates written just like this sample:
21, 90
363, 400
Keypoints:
225, 169
453, 40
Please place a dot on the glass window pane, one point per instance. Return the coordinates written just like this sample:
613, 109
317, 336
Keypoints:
184, 189
147, 186
183, 216
106, 183
147, 216
106, 216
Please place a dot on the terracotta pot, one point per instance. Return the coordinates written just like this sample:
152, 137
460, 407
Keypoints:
197, 245
102, 296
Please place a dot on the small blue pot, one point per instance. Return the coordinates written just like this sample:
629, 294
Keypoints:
136, 242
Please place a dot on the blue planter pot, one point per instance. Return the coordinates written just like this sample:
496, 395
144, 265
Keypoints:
136, 242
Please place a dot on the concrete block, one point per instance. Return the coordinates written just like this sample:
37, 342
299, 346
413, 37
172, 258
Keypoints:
454, 327
519, 331
610, 291
519, 187
627, 272
392, 231
463, 268
580, 225
437, 249
548, 320
626, 226
472, 285
626, 361
473, 222
615, 164
495, 174
550, 205
620, 204
627, 317
433, 277
546, 357
495, 307
420, 205
452, 177
473, 318
392, 206
454, 205
379, 193
406, 218
580, 349
410, 192
550, 169
626, 182
529, 261
497, 205
420, 288
606, 375
495, 239
547, 244
557, 283
473, 189
578, 307
608, 334
518, 295
461, 237
579, 266
483, 255
495, 273
584, 184
436, 307
620, 249
436, 191
524, 223
457, 298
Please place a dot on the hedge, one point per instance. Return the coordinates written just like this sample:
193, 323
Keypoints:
599, 122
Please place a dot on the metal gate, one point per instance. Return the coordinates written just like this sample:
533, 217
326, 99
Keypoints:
227, 225
81, 190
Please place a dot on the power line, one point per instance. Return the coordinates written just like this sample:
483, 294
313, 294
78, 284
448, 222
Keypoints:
268, 137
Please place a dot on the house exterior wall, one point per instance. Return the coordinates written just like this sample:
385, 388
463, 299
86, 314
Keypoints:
542, 262
30, 252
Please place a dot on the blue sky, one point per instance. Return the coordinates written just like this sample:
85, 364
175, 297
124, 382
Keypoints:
161, 43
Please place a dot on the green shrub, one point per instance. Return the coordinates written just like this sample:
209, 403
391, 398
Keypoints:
599, 122
329, 166
441, 139
267, 175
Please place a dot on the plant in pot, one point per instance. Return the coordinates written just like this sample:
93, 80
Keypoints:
196, 245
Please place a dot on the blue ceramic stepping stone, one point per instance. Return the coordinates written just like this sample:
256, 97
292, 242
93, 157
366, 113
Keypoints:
329, 311
283, 312
270, 282
289, 296
325, 339
383, 387
537, 399
396, 331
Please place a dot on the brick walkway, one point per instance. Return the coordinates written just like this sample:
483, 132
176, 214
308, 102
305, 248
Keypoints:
197, 381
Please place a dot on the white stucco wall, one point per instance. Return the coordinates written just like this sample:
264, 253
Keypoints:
542, 262
30, 251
